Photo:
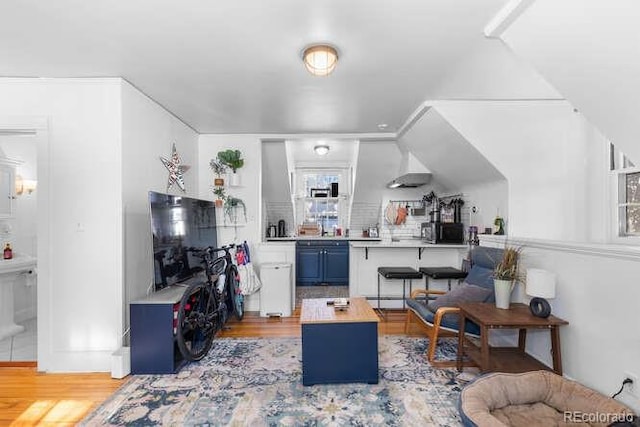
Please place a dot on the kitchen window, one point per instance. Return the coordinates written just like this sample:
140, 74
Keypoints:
627, 184
315, 202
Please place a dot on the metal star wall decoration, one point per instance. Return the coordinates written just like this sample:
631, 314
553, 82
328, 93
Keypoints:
176, 169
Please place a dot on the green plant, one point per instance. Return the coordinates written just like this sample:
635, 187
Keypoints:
499, 222
230, 206
231, 158
218, 167
508, 267
219, 191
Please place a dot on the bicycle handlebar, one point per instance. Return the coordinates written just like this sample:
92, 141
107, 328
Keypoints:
211, 248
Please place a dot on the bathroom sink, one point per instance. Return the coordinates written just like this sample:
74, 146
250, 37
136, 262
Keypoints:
10, 269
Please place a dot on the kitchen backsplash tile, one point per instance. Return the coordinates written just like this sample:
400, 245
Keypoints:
277, 211
410, 229
363, 216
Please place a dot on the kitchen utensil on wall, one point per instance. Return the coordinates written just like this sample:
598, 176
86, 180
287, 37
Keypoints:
390, 213
282, 229
401, 215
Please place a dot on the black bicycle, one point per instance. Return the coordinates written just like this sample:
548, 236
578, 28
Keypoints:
205, 306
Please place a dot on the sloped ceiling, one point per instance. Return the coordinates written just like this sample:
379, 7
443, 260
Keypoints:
454, 162
378, 163
589, 51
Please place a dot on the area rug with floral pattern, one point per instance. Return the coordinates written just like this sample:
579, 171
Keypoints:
258, 382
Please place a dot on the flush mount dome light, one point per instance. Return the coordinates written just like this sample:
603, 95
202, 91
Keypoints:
320, 59
321, 149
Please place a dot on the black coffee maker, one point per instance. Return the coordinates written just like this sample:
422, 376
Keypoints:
282, 229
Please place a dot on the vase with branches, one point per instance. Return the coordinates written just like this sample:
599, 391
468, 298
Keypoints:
505, 275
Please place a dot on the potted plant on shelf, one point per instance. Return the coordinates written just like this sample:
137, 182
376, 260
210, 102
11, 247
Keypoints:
233, 160
219, 191
505, 275
218, 169
231, 206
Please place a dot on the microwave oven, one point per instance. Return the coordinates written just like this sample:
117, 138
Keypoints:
442, 232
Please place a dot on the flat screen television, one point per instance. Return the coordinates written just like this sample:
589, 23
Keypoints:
177, 223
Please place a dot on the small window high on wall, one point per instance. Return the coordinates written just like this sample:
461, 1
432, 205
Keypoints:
627, 183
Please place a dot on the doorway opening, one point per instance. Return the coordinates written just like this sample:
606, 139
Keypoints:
19, 230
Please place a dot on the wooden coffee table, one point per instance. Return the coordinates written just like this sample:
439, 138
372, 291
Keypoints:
506, 359
339, 346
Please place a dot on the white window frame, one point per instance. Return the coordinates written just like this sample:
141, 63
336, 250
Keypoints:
618, 224
301, 196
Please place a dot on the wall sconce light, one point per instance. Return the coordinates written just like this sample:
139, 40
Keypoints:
320, 59
321, 149
22, 185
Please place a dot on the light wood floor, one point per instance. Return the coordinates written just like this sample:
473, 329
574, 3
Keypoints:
30, 398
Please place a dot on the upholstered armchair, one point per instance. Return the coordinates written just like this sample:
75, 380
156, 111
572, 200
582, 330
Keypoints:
437, 310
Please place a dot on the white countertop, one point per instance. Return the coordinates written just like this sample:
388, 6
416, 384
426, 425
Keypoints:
405, 244
169, 295
346, 239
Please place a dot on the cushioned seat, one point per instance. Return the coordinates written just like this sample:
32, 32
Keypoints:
399, 273
443, 272
448, 322
532, 399
437, 273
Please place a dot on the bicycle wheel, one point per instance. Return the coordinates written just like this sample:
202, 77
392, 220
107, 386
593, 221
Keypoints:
236, 294
196, 321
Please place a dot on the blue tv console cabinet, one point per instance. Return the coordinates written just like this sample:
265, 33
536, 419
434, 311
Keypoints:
153, 340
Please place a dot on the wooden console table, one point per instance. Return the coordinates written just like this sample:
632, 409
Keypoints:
506, 359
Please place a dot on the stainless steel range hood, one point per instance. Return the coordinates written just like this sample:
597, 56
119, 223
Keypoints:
410, 180
412, 174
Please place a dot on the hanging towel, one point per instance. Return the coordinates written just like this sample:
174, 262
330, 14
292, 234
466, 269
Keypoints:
249, 281
401, 215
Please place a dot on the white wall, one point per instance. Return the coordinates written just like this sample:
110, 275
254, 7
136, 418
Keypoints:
249, 190
542, 148
588, 50
489, 199
148, 133
80, 258
596, 293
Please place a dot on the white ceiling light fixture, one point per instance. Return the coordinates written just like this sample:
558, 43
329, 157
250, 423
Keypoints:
320, 59
321, 149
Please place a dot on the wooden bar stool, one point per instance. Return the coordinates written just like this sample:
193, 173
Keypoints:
436, 273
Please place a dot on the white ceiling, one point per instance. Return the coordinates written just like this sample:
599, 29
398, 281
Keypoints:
233, 66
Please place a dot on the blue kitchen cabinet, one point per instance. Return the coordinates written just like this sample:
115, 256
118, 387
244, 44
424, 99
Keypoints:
309, 264
322, 262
